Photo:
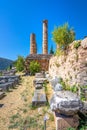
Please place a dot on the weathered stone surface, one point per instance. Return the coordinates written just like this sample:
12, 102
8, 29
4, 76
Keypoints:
65, 102
2, 94
6, 86
58, 87
84, 43
71, 67
54, 81
84, 108
0, 89
2, 81
39, 97
39, 81
64, 122
39, 75
38, 86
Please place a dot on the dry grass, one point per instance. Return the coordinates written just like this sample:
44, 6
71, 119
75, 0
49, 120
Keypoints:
17, 111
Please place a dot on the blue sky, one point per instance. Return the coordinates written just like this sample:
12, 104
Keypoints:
20, 18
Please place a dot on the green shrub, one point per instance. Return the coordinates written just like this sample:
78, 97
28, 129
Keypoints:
0, 73
34, 67
74, 89
19, 63
77, 44
63, 35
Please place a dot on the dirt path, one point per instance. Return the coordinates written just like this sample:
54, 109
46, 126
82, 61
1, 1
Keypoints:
17, 109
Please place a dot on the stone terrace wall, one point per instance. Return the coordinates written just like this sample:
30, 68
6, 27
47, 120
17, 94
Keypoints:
42, 59
72, 67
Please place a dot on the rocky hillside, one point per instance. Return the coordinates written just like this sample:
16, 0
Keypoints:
4, 63
72, 66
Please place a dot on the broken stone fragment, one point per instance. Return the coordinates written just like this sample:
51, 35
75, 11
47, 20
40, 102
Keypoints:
65, 102
54, 81
38, 86
58, 87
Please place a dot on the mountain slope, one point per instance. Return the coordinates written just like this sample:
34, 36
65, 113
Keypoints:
4, 63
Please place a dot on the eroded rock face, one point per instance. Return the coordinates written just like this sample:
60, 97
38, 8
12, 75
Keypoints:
65, 102
58, 87
54, 81
84, 43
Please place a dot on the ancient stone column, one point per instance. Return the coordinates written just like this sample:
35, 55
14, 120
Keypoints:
33, 46
45, 37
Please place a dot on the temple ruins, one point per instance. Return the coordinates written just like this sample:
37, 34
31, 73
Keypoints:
42, 59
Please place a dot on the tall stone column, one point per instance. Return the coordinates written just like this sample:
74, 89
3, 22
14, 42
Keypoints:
45, 37
33, 46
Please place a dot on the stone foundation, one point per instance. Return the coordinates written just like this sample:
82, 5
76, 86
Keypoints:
42, 59
64, 122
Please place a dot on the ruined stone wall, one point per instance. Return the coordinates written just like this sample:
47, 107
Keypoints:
42, 59
72, 67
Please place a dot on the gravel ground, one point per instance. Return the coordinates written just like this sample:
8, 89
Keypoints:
18, 102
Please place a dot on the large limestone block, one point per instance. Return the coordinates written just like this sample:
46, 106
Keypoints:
84, 108
39, 97
2, 94
39, 75
65, 102
38, 86
65, 122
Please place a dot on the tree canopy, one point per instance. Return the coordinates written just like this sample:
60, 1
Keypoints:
19, 63
34, 67
63, 35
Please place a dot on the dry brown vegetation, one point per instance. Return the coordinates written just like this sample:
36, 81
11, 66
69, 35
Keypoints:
17, 112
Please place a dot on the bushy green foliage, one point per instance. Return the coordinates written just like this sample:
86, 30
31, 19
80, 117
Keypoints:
63, 35
19, 63
77, 44
0, 73
82, 94
59, 52
34, 67
74, 88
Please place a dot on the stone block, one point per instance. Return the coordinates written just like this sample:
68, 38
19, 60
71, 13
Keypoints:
39, 81
39, 97
39, 75
0, 89
64, 122
2, 95
6, 86
65, 102
38, 86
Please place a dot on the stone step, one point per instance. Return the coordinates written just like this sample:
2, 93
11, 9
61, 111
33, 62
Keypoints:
39, 97
0, 89
39, 75
38, 86
2, 95
5, 86
39, 81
